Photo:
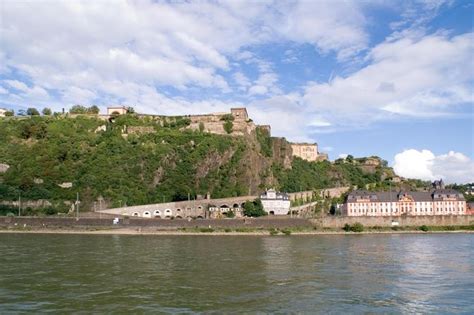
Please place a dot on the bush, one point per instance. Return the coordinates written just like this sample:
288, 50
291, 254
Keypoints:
206, 230
228, 126
424, 228
273, 231
356, 227
230, 214
286, 232
254, 209
227, 230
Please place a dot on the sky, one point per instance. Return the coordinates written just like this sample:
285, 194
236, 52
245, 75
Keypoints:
386, 78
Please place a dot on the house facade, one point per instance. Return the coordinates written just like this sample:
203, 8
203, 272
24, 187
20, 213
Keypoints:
3, 112
308, 152
275, 203
411, 203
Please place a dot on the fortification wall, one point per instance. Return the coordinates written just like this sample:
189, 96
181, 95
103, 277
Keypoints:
441, 220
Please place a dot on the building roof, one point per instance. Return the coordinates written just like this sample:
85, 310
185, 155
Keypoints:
279, 195
420, 196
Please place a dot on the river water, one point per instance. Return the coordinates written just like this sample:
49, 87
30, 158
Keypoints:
427, 273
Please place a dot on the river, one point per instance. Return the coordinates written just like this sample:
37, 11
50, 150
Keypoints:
427, 273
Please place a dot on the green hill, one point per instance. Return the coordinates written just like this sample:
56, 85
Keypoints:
134, 160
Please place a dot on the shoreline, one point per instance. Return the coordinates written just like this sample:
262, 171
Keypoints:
145, 232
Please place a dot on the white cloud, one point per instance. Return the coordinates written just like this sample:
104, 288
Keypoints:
453, 167
424, 77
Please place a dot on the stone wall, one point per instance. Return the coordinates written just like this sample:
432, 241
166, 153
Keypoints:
444, 220
159, 224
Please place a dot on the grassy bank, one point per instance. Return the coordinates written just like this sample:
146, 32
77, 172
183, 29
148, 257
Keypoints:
234, 231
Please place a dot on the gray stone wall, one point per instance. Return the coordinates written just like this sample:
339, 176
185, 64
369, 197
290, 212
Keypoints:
440, 220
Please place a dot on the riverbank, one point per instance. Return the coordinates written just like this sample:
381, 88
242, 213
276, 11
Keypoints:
226, 232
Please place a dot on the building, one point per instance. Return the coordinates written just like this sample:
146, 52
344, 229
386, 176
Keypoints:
239, 113
3, 112
116, 110
275, 203
308, 152
411, 203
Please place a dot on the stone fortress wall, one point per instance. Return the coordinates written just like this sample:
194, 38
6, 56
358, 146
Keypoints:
182, 209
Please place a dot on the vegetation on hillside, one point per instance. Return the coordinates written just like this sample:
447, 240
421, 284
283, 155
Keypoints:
170, 163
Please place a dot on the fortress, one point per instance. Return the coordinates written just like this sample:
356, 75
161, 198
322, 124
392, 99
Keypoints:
235, 123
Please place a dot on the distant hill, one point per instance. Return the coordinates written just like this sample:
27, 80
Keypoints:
138, 160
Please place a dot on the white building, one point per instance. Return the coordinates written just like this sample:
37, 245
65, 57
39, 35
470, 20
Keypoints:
3, 112
411, 203
275, 203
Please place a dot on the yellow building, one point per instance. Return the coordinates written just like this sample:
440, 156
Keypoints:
308, 152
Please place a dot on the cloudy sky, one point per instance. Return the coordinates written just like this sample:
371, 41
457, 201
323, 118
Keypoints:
387, 78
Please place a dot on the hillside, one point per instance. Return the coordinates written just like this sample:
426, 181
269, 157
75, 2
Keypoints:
135, 160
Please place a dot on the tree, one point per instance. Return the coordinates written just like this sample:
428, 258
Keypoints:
93, 110
78, 109
9, 113
47, 111
254, 208
130, 110
32, 112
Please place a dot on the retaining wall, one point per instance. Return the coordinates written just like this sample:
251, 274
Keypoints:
156, 223
441, 220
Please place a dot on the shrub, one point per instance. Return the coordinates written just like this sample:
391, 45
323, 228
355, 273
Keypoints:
228, 125
227, 230
206, 230
424, 228
357, 227
254, 209
201, 126
286, 232
229, 214
273, 231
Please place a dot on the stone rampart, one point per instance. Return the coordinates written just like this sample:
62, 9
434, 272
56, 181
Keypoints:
437, 220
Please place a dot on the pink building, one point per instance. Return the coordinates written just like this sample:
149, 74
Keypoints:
412, 203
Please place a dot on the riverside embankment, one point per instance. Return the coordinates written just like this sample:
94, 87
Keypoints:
249, 226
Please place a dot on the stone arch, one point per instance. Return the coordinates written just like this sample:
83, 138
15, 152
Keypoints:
199, 217
168, 213
135, 214
272, 212
157, 214
178, 217
146, 214
224, 206
236, 205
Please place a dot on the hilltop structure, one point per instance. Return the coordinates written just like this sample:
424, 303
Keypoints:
3, 112
308, 152
438, 201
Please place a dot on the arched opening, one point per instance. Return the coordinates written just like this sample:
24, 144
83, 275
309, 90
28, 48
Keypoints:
178, 217
178, 210
200, 208
147, 214
168, 213
272, 212
157, 214
236, 205
136, 214
225, 206
200, 217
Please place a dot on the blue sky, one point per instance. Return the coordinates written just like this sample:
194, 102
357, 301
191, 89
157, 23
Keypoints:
387, 78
